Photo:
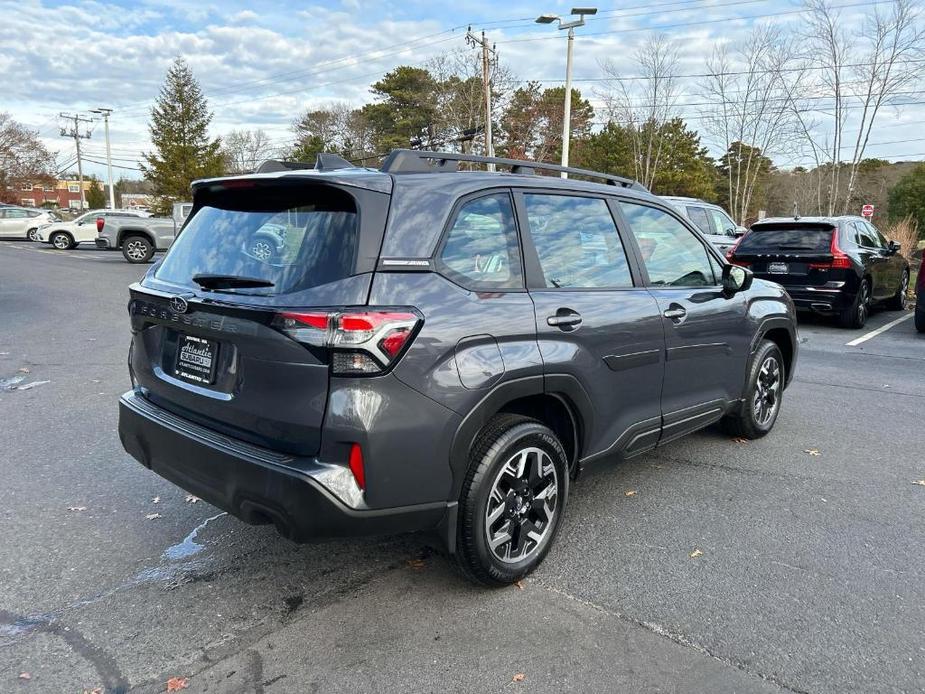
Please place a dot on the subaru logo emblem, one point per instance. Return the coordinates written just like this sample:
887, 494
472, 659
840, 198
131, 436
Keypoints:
178, 304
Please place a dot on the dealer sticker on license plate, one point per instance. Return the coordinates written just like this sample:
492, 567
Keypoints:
196, 359
778, 268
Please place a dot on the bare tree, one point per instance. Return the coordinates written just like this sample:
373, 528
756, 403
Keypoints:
245, 150
750, 113
23, 158
884, 61
645, 105
336, 127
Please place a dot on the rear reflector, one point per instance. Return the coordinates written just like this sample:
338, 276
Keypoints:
356, 465
363, 342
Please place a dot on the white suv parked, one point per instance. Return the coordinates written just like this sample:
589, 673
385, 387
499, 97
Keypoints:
22, 222
66, 235
712, 221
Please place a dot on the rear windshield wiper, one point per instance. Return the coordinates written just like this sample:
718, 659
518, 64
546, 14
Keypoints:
229, 282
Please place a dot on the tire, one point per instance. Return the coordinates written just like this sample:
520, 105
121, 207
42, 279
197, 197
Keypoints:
764, 389
920, 320
32, 235
897, 302
516, 487
137, 249
61, 240
855, 316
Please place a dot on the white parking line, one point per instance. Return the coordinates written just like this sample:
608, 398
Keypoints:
881, 329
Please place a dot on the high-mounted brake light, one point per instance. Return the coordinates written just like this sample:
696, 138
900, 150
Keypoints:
363, 342
840, 259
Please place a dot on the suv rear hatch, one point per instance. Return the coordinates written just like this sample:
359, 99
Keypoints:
792, 253
209, 339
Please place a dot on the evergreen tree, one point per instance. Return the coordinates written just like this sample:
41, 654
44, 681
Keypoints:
908, 198
179, 131
96, 198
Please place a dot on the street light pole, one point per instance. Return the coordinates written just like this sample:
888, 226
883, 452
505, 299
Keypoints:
105, 113
567, 118
581, 13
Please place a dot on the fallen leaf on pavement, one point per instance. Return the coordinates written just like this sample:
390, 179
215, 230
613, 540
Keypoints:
520, 584
416, 564
739, 439
25, 676
519, 677
921, 483
152, 516
190, 499
156, 500
76, 508
24, 370
629, 492
812, 451
175, 684
696, 553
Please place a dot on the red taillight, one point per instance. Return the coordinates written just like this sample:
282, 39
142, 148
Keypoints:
100, 223
731, 253
362, 342
356, 465
840, 260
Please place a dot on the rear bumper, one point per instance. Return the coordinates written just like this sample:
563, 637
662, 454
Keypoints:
254, 484
819, 300
102, 243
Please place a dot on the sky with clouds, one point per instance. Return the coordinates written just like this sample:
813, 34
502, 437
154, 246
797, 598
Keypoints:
262, 63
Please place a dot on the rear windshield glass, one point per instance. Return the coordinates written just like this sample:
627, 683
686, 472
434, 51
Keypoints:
760, 240
294, 239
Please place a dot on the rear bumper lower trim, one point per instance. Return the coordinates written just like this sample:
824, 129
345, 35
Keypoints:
253, 484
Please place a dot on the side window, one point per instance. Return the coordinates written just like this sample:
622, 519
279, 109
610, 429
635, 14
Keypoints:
849, 234
577, 242
481, 249
868, 239
722, 224
674, 257
878, 237
698, 216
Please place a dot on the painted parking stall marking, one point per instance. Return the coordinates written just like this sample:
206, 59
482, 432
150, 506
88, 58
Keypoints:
882, 329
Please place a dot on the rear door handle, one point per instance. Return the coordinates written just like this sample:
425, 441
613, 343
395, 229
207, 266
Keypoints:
564, 319
675, 314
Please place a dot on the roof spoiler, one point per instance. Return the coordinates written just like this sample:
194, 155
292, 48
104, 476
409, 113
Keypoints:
419, 161
323, 162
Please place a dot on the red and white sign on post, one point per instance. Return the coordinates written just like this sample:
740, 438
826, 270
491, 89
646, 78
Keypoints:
867, 211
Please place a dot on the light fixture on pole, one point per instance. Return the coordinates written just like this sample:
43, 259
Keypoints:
104, 112
581, 13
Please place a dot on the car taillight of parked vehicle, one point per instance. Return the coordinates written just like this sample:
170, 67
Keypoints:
100, 223
840, 260
730, 254
361, 342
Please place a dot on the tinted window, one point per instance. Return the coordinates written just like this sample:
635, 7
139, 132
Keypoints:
481, 249
867, 235
672, 254
296, 239
698, 216
789, 238
879, 238
577, 242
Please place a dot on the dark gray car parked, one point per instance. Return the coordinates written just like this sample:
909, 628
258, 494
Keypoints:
437, 349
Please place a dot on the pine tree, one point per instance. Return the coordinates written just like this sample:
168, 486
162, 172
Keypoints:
96, 198
179, 131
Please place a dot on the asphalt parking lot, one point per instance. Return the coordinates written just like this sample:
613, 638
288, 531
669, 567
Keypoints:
807, 574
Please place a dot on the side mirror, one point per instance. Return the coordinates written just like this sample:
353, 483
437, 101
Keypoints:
894, 247
740, 231
736, 279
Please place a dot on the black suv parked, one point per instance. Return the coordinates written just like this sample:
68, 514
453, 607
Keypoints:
830, 265
437, 348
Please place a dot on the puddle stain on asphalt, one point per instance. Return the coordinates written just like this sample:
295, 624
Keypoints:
180, 570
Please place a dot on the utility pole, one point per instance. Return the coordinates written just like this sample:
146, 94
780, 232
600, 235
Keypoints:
76, 134
105, 113
487, 54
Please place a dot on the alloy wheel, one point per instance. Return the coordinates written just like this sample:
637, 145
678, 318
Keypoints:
767, 391
136, 250
863, 303
522, 506
33, 234
61, 242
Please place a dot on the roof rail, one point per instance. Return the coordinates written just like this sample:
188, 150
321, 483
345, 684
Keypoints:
323, 162
419, 161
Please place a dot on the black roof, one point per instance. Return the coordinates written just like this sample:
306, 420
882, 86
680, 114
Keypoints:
811, 221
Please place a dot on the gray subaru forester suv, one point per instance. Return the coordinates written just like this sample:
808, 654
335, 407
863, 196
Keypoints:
433, 348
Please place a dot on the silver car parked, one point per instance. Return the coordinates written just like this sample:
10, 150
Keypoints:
712, 221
